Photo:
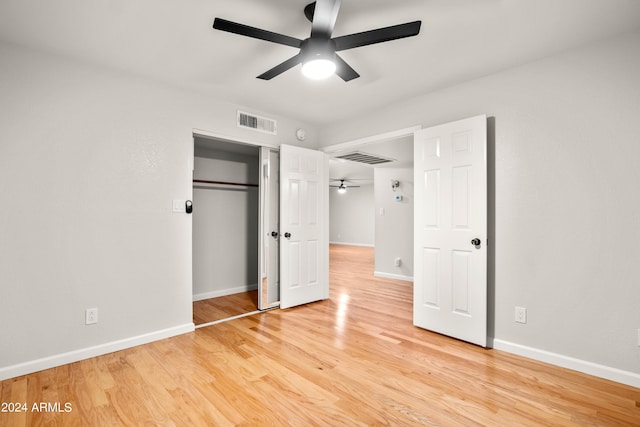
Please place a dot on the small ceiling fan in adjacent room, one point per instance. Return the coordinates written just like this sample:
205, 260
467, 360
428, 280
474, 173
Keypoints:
317, 53
342, 188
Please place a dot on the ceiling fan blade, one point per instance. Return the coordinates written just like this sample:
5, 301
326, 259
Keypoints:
377, 36
281, 68
256, 33
324, 18
344, 70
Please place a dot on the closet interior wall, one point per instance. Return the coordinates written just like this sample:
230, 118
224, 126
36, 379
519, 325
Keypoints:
225, 218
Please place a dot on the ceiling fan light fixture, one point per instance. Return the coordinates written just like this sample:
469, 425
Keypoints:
318, 52
318, 68
318, 58
342, 189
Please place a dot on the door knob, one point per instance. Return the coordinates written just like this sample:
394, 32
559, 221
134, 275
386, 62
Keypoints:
475, 242
274, 234
287, 235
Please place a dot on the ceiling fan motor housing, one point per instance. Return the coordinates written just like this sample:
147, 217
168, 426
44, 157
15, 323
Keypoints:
317, 48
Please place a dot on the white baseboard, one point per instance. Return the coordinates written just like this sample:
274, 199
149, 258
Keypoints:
86, 353
366, 245
601, 371
393, 276
224, 292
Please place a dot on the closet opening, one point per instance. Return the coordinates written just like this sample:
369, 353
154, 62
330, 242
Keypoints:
226, 200
238, 247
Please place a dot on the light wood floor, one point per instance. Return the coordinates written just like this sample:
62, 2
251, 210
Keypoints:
209, 310
354, 359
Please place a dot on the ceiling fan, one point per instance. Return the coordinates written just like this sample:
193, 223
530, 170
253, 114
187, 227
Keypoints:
318, 52
342, 188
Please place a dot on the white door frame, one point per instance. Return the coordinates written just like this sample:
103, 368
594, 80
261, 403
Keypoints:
222, 138
226, 138
381, 137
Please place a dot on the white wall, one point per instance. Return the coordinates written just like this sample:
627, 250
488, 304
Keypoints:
225, 224
394, 223
351, 216
90, 161
564, 202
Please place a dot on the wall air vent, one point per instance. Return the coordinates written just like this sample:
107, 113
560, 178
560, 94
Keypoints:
365, 158
261, 124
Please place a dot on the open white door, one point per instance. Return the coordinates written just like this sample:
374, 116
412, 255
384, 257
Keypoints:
450, 226
268, 241
304, 231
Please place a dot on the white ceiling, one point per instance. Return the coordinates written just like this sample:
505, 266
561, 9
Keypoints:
173, 41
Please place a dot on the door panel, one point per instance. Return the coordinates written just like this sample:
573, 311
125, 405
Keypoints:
431, 277
450, 276
460, 281
304, 231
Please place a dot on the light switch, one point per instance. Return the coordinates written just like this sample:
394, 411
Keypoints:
178, 206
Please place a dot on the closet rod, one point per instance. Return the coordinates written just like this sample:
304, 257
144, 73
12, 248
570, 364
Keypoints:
202, 181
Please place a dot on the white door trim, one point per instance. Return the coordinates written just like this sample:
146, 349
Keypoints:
226, 138
381, 137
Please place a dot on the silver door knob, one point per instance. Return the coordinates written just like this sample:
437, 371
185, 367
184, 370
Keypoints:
475, 242
287, 235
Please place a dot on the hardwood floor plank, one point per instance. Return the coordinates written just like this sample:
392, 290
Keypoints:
213, 309
352, 360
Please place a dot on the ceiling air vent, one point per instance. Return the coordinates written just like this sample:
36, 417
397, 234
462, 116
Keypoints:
261, 124
368, 159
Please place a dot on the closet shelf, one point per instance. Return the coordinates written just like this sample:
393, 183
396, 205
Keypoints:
238, 184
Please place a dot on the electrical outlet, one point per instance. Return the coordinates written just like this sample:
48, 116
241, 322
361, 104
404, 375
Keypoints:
397, 262
91, 316
638, 337
521, 315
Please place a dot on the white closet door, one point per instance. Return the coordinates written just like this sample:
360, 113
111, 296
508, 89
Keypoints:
304, 230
